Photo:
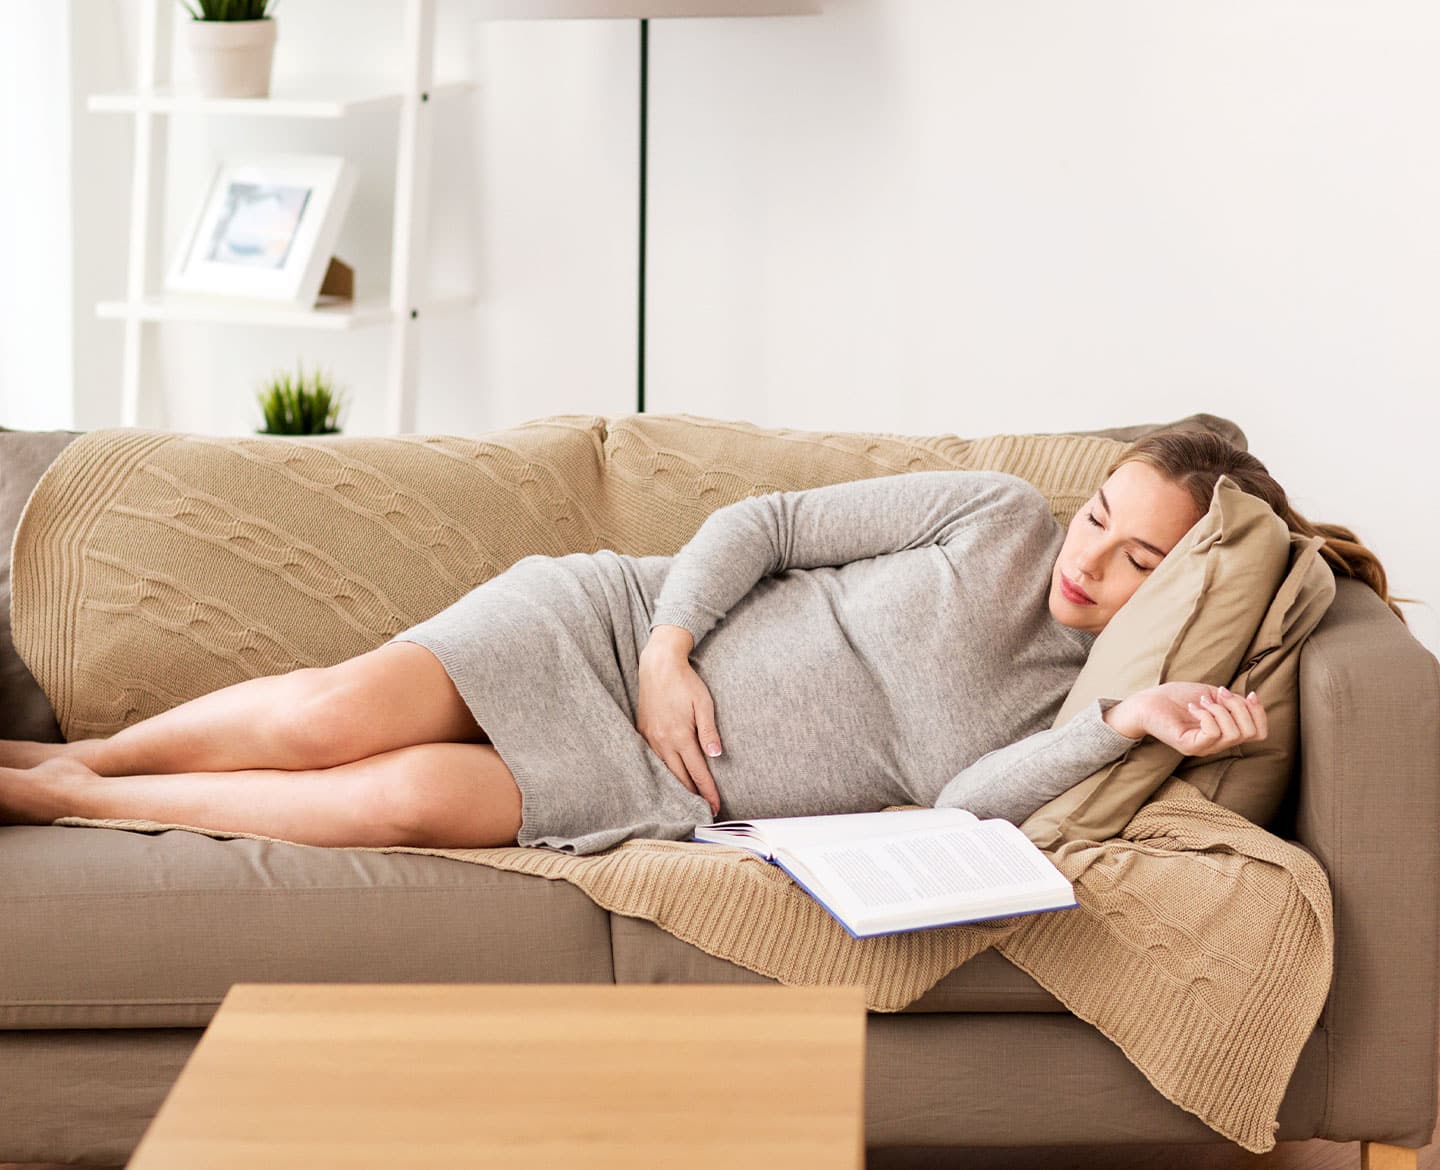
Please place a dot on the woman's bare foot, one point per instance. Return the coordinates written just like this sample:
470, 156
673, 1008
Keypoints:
37, 796
26, 753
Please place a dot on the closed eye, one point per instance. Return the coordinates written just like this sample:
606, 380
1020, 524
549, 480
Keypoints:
1128, 557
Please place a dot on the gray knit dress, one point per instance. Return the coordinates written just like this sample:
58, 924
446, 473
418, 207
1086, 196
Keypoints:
881, 641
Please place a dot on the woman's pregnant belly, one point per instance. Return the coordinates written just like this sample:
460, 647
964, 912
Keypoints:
796, 708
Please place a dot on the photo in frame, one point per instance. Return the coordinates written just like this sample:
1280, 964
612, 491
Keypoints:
266, 229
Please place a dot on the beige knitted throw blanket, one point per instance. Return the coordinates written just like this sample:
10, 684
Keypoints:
1202, 944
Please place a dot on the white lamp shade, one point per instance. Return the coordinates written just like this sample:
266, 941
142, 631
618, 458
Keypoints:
637, 9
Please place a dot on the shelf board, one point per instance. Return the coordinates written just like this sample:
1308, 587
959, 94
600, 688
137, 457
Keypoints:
225, 311
334, 99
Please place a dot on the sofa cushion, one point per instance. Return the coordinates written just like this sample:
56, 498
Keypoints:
113, 928
1190, 621
25, 712
1251, 778
666, 472
152, 567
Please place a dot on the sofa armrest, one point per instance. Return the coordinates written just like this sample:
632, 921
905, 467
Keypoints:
1368, 807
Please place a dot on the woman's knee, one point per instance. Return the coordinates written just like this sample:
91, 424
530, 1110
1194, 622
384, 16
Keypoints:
450, 796
305, 719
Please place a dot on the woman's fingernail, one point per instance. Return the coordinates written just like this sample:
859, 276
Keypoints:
712, 749
1223, 691
1251, 695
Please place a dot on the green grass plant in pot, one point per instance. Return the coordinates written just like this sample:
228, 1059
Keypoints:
232, 45
302, 404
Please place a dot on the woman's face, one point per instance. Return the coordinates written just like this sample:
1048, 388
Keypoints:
1115, 541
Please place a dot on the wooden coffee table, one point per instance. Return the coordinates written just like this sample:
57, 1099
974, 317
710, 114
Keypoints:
396, 1075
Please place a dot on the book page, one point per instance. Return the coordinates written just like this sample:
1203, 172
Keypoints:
960, 867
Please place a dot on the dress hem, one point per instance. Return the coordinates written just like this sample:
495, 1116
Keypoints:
532, 804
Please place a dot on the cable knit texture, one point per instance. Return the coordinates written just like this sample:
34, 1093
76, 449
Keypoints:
151, 567
154, 566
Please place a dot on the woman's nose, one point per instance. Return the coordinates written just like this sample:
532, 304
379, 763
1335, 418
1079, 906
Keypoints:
1088, 563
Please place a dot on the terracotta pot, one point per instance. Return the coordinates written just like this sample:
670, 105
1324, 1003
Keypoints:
232, 57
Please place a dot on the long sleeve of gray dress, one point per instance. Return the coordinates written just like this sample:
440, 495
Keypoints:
1016, 780
990, 519
836, 524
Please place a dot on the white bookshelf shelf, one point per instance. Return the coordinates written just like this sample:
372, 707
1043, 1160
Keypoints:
333, 99
339, 315
400, 310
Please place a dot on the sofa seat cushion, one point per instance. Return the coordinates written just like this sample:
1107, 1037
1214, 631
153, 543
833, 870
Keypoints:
644, 953
109, 928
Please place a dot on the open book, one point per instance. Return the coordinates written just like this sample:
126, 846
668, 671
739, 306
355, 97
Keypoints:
886, 872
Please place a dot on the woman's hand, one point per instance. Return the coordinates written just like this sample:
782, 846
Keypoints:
675, 713
1193, 718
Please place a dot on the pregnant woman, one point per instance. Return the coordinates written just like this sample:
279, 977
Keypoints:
903, 639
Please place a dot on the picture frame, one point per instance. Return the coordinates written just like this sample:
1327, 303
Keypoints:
265, 229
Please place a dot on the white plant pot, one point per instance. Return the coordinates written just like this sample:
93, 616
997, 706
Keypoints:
232, 58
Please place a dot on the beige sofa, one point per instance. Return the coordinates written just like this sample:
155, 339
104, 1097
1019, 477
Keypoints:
116, 947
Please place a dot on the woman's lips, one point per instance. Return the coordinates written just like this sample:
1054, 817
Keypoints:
1073, 594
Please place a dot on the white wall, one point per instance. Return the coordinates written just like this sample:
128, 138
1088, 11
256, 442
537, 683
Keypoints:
906, 215
940, 216
36, 286
103, 58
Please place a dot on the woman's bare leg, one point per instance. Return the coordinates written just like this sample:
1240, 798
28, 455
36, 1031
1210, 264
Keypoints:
438, 795
393, 696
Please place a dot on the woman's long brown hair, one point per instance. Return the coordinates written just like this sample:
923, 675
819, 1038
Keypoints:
1194, 460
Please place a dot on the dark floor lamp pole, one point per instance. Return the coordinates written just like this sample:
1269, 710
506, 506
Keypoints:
777, 8
644, 103
627, 9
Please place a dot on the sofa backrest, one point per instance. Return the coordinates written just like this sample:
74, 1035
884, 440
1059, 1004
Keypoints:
664, 473
25, 711
152, 566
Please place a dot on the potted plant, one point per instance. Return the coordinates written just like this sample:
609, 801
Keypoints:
306, 404
232, 43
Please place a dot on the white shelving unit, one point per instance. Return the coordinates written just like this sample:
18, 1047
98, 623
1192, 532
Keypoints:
154, 99
334, 99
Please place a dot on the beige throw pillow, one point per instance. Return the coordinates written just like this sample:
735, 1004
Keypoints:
1251, 778
1190, 621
